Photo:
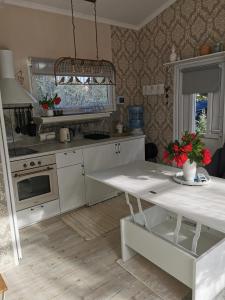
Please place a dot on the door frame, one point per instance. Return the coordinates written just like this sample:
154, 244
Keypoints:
218, 58
15, 238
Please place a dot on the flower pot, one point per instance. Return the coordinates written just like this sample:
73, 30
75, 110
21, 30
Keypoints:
189, 170
49, 113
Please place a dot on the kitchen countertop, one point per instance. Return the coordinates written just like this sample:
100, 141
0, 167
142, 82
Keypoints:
52, 147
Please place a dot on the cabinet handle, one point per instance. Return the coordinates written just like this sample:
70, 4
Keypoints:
74, 151
119, 148
116, 148
83, 171
65, 153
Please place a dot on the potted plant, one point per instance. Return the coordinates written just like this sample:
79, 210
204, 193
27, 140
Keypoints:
188, 153
49, 103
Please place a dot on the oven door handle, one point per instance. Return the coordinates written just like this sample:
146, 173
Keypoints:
34, 172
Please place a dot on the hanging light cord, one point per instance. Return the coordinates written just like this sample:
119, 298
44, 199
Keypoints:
74, 31
96, 31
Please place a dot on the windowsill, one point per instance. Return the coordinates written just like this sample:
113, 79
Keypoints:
71, 118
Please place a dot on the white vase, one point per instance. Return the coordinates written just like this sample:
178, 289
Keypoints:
50, 113
189, 170
173, 55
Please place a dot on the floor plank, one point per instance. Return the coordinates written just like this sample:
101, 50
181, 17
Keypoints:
59, 264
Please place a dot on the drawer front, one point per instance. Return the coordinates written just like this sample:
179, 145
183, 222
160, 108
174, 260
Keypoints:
38, 213
69, 158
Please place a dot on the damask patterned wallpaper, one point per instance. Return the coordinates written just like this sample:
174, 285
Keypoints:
139, 56
128, 62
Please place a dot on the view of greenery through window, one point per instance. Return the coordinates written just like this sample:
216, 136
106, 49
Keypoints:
75, 98
201, 101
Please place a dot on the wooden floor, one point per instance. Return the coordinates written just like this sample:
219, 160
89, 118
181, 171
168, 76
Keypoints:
60, 264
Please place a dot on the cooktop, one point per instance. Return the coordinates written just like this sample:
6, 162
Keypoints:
21, 151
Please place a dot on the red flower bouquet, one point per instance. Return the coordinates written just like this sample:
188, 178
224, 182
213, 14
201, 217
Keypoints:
50, 103
191, 147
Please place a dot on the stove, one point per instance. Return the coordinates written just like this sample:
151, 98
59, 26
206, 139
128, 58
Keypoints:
34, 181
14, 152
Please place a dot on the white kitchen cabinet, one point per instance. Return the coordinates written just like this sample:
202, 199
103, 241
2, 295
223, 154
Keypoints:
70, 180
130, 151
37, 213
108, 156
99, 158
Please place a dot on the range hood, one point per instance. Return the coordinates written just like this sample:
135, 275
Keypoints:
12, 93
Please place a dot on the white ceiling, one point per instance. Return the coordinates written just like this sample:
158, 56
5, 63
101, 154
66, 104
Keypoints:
128, 13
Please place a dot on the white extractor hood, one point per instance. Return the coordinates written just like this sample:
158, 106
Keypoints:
12, 93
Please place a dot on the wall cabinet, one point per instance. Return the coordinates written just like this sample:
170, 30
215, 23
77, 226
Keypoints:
71, 180
105, 157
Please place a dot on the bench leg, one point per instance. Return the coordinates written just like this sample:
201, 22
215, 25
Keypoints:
126, 251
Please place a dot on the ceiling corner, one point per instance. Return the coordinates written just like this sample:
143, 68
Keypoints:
156, 13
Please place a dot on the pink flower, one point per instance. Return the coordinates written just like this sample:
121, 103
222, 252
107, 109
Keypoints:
181, 159
165, 155
44, 106
57, 100
188, 148
206, 156
176, 148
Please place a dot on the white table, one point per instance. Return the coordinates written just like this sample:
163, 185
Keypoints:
151, 232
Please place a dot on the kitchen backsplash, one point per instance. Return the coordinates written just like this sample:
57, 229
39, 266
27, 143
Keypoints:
106, 125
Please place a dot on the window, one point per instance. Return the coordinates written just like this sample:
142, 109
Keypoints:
76, 99
199, 100
201, 113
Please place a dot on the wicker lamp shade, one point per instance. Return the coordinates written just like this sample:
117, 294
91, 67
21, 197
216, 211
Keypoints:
96, 72
76, 71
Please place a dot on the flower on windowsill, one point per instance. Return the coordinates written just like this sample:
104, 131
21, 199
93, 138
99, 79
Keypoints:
191, 147
49, 103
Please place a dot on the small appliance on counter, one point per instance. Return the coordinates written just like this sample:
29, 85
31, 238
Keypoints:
65, 135
47, 136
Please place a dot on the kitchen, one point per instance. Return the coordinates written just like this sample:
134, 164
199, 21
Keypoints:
67, 129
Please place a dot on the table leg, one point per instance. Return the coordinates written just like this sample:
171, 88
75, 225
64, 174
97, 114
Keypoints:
3, 295
177, 229
130, 205
142, 213
196, 237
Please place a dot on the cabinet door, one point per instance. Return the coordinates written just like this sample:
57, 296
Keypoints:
133, 150
71, 187
96, 159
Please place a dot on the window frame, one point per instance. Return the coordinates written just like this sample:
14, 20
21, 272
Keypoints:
178, 97
112, 90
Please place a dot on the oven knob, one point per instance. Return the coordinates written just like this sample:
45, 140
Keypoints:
39, 162
32, 164
25, 165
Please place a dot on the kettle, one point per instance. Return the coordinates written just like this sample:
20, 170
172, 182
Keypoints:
64, 135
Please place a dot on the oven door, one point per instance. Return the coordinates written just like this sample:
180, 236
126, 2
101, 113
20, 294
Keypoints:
35, 186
